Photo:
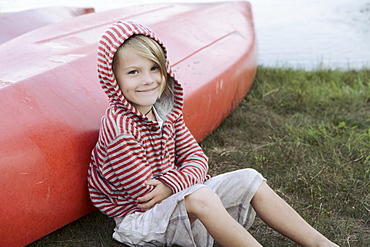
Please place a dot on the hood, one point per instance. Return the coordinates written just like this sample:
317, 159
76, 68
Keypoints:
110, 41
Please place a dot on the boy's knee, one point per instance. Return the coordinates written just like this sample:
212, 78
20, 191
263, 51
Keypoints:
200, 201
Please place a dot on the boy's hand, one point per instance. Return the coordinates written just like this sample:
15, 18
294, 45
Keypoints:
159, 192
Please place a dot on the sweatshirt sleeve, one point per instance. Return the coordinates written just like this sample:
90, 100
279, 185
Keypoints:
191, 163
128, 165
118, 181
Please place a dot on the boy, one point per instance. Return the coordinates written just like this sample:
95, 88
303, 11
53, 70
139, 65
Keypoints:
148, 172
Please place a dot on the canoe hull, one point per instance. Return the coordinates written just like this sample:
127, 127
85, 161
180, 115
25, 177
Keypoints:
52, 102
15, 24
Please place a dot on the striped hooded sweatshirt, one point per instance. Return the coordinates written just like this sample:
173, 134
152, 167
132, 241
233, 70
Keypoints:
131, 148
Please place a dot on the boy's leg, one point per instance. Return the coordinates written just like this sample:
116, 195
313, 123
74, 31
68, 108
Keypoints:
276, 213
205, 205
236, 190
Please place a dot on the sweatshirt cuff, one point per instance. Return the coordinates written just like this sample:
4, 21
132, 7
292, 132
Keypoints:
171, 182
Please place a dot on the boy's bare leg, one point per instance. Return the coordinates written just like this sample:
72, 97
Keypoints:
276, 213
207, 207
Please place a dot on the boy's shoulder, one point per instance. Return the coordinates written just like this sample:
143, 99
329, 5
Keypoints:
120, 119
118, 115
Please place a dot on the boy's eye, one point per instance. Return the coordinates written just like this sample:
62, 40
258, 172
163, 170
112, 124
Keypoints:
132, 72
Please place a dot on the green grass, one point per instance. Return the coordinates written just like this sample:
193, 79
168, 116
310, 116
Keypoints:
308, 133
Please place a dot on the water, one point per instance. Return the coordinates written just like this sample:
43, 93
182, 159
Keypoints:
308, 34
296, 33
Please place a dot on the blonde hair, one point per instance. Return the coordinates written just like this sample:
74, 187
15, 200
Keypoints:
150, 49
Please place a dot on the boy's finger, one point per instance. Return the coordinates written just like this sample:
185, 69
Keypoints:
147, 205
153, 182
145, 198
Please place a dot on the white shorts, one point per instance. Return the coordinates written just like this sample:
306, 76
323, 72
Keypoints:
168, 224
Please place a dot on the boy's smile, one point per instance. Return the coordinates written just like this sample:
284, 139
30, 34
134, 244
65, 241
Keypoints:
147, 91
139, 78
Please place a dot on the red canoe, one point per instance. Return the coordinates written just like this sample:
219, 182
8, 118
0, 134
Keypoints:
14, 24
51, 101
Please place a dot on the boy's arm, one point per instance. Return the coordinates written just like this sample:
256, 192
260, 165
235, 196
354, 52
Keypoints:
105, 196
191, 163
120, 178
128, 166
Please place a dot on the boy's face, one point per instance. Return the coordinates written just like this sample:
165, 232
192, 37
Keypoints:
139, 78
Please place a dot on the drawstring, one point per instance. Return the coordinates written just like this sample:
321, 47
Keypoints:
149, 111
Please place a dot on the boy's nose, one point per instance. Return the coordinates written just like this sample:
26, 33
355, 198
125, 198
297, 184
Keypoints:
147, 78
